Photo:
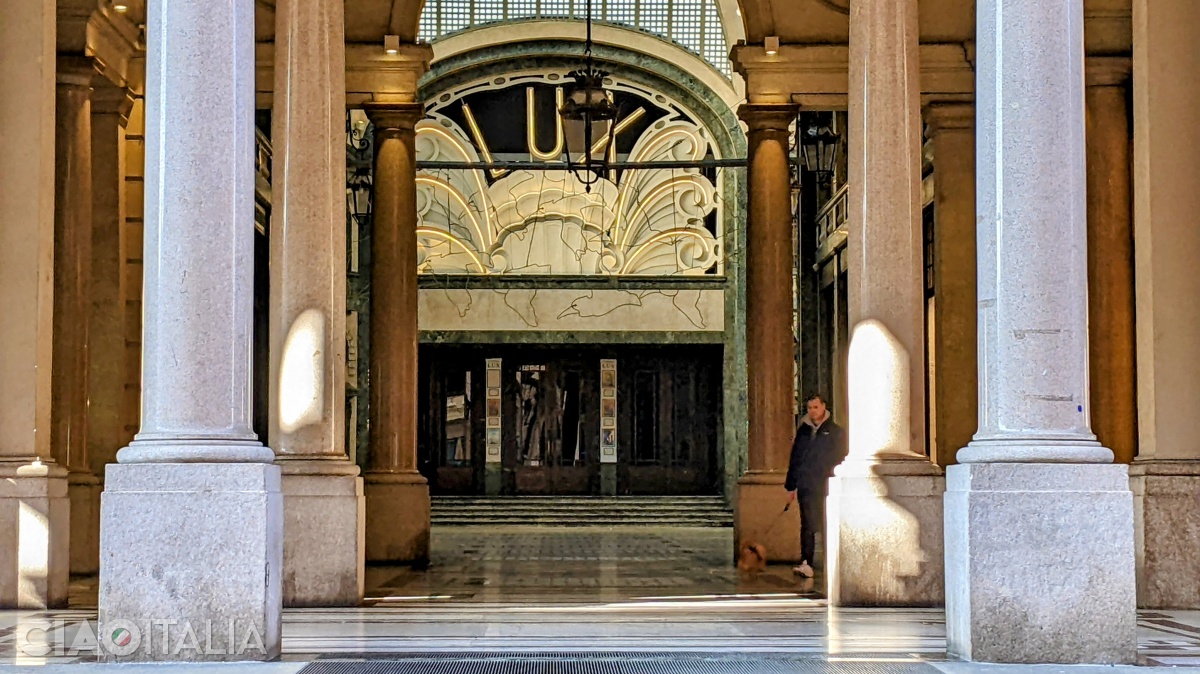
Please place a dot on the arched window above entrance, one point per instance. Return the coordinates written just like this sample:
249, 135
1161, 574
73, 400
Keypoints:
647, 222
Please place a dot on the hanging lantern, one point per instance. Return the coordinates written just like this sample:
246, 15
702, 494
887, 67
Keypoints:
588, 125
589, 117
820, 148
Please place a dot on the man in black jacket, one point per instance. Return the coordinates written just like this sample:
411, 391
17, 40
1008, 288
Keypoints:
820, 445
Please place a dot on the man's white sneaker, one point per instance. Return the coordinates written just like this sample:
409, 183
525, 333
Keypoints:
803, 570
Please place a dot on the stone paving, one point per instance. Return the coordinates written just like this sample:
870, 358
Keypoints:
515, 564
505, 593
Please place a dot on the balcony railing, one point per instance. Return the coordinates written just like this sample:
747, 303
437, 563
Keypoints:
831, 225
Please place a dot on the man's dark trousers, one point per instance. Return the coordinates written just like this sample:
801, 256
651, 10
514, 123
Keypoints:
812, 520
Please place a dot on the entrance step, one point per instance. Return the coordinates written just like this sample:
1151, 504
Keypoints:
581, 511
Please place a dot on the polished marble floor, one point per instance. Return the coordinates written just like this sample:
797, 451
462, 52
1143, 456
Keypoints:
607, 590
579, 565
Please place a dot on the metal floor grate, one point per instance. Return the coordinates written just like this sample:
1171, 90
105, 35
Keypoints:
611, 663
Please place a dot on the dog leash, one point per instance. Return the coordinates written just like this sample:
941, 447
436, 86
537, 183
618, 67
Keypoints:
778, 519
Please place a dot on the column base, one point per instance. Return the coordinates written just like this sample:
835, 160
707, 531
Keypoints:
885, 541
759, 517
1167, 533
397, 517
324, 541
35, 546
1040, 564
84, 492
191, 556
608, 479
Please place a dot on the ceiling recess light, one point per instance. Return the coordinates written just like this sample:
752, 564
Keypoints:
771, 44
391, 44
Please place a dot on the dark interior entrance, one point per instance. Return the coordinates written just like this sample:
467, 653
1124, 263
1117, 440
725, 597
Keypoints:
548, 418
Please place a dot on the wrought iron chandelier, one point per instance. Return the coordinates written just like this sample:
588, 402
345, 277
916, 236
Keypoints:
589, 117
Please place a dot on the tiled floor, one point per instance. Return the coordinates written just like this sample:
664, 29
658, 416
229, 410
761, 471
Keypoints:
578, 565
651, 590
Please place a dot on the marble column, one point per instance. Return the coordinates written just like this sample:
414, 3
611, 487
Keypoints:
322, 493
1166, 474
72, 305
191, 517
885, 501
106, 314
950, 128
1111, 333
759, 510
397, 495
132, 243
1039, 535
34, 507
105, 319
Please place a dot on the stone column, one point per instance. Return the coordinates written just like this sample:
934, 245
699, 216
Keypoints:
72, 304
1111, 333
105, 319
884, 513
397, 495
323, 496
132, 240
106, 315
950, 128
1039, 542
1166, 474
192, 513
34, 517
759, 510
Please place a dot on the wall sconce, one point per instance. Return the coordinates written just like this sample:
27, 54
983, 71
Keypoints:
771, 45
391, 44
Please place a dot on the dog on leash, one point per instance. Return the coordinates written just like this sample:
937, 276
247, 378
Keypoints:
752, 558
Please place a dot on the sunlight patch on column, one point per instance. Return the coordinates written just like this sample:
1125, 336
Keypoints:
302, 372
878, 373
33, 556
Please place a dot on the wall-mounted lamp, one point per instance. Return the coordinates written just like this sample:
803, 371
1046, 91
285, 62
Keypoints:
391, 44
120, 7
771, 45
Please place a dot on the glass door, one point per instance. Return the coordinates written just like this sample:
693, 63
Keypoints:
546, 449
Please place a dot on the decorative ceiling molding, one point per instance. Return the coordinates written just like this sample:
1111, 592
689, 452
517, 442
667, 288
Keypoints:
118, 47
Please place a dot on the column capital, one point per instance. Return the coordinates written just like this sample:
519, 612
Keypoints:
812, 74
1109, 71
402, 116
373, 74
768, 117
112, 100
74, 71
948, 116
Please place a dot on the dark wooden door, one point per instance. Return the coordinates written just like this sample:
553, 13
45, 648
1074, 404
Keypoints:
670, 409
